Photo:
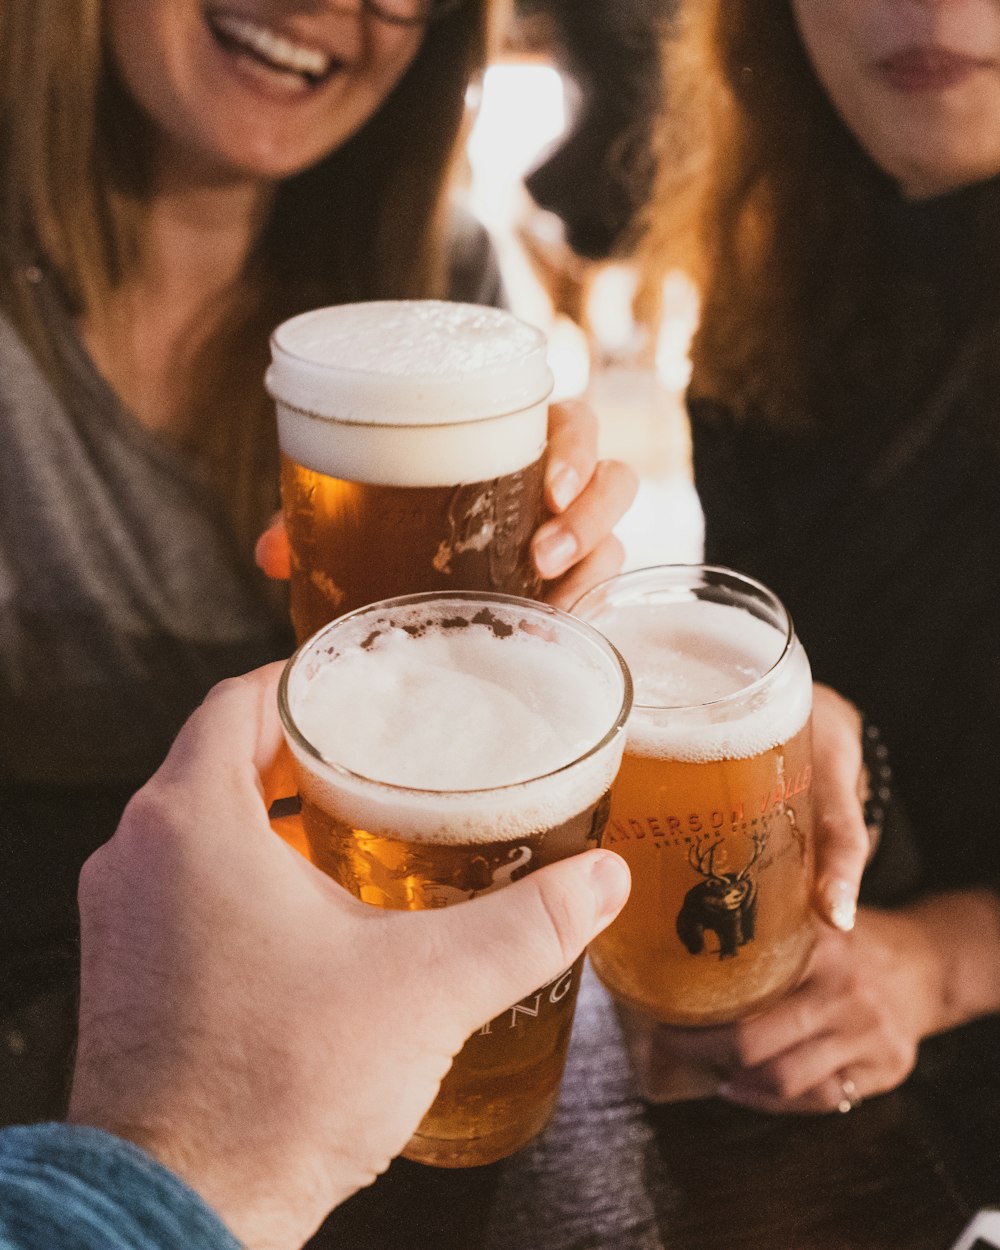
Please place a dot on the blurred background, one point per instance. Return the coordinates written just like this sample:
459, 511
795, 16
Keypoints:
558, 163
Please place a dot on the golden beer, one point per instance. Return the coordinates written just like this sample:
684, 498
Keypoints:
412, 436
496, 762
354, 542
712, 806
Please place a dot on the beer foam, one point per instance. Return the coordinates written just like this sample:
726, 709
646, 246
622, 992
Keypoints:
690, 659
408, 362
462, 712
415, 455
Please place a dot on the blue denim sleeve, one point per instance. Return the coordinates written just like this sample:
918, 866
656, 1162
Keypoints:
66, 1187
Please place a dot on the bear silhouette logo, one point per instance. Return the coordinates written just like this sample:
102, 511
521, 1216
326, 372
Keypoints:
725, 903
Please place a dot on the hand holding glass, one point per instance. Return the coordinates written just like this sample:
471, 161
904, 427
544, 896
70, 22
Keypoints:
412, 436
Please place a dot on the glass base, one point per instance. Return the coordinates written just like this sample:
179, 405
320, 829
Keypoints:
471, 1152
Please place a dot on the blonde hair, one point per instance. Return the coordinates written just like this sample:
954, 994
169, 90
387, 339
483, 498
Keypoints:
365, 223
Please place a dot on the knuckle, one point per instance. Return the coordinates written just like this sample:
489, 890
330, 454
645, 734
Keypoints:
613, 553
900, 1054
573, 423
560, 918
579, 413
841, 823
150, 811
619, 479
92, 876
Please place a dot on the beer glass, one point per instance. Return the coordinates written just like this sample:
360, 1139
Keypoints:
445, 746
412, 437
712, 807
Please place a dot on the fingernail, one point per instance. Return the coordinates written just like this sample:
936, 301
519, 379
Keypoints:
564, 486
723, 1089
610, 880
554, 552
841, 904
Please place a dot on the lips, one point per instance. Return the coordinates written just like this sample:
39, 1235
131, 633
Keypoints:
928, 68
270, 48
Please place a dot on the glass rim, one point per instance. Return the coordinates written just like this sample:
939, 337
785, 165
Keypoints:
533, 379
576, 623
543, 400
723, 572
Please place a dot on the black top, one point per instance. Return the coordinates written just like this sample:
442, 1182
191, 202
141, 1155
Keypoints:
882, 537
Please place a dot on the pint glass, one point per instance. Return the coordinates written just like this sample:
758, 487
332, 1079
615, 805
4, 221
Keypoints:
445, 746
712, 807
412, 438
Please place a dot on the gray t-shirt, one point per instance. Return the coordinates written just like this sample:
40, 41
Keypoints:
122, 601
122, 598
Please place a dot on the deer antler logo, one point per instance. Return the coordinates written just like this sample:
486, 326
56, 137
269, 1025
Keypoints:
725, 902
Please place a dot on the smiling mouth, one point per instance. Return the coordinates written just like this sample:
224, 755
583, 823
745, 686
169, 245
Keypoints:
273, 51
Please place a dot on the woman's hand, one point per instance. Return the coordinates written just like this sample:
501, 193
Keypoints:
851, 1027
849, 1030
841, 838
576, 548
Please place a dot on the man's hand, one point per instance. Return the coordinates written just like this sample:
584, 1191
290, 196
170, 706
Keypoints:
264, 1034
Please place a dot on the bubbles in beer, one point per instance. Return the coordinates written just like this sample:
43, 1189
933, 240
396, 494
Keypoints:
408, 362
688, 658
455, 711
411, 338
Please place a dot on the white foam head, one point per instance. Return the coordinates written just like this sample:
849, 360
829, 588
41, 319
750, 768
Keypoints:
459, 389
454, 733
711, 680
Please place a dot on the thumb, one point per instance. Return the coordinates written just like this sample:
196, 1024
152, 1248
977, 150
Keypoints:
501, 947
273, 552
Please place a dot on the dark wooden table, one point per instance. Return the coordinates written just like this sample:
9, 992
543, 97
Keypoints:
905, 1171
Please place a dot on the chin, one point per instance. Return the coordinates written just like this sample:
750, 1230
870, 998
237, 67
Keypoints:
266, 161
923, 182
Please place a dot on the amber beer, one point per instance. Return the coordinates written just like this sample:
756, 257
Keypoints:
712, 806
445, 746
412, 439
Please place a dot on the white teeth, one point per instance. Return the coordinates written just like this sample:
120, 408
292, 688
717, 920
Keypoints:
271, 47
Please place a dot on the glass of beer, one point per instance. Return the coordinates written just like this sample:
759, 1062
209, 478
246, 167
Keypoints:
412, 437
444, 746
712, 807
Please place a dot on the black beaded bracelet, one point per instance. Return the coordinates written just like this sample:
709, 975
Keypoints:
875, 756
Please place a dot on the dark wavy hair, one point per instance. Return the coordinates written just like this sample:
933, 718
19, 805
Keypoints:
600, 173
785, 224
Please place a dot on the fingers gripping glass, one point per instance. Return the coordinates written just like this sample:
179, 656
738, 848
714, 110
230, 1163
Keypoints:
411, 12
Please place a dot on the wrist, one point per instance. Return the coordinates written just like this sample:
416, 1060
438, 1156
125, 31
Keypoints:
68, 1176
960, 932
261, 1205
